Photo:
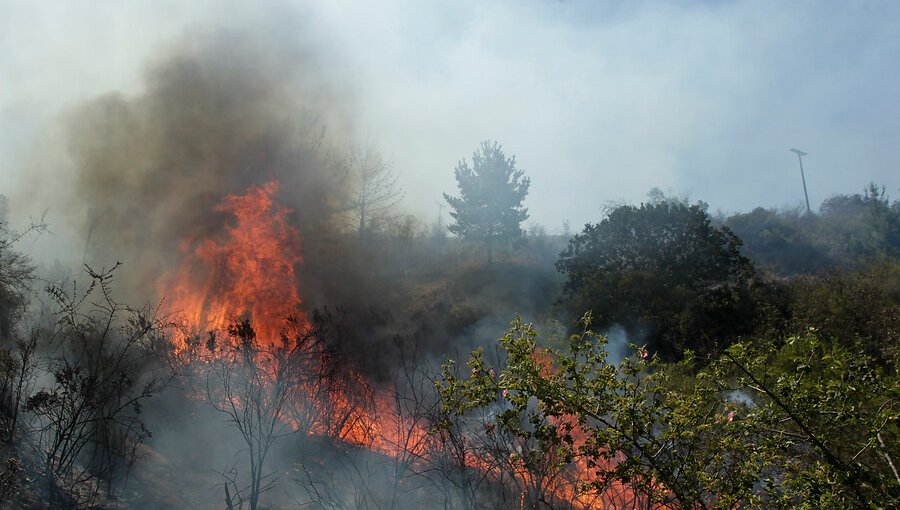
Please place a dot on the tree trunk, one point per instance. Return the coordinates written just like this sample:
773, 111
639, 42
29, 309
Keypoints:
362, 218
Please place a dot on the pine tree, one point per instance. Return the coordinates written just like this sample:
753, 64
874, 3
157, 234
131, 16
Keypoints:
489, 207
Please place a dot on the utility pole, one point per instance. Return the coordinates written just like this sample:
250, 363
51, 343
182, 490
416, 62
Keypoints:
800, 155
440, 215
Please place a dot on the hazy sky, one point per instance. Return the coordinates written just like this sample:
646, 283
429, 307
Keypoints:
599, 101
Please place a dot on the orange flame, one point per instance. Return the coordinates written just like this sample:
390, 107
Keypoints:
249, 274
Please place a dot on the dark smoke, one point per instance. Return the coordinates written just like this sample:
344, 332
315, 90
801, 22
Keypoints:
220, 113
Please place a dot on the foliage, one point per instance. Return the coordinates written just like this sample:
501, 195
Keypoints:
780, 241
665, 273
10, 479
860, 309
810, 425
849, 232
102, 365
617, 426
489, 208
255, 384
16, 271
376, 187
833, 415
18, 370
862, 227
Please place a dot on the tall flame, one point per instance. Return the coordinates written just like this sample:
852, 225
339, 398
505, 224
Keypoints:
248, 274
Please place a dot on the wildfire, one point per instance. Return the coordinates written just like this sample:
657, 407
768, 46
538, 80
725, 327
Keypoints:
248, 274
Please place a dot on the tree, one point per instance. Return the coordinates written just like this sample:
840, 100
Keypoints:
86, 417
808, 424
780, 241
17, 352
849, 232
861, 227
16, 270
253, 385
376, 185
489, 208
664, 273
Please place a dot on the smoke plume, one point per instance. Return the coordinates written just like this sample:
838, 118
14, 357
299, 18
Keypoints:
220, 113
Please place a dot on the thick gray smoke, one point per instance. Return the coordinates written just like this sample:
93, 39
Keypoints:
219, 113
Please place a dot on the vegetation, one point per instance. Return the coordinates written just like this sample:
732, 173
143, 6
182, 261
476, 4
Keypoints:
86, 421
849, 232
255, 388
796, 426
791, 401
16, 271
376, 188
728, 375
489, 209
663, 272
